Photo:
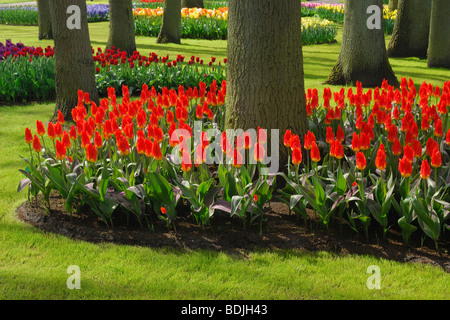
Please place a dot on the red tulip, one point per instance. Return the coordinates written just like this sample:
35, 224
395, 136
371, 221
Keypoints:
296, 156
447, 138
356, 146
425, 170
287, 138
396, 147
380, 161
315, 153
436, 160
40, 128
309, 139
73, 133
417, 147
186, 163
163, 210
60, 117
340, 135
262, 135
91, 153
408, 153
157, 151
60, 150
247, 140
405, 167
51, 131
237, 159
28, 136
66, 140
37, 144
360, 160
330, 135
438, 130
148, 148
259, 152
295, 142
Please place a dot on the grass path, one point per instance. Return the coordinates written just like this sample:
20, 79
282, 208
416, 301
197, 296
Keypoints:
33, 263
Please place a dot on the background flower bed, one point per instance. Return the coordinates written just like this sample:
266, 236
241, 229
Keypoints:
28, 15
27, 73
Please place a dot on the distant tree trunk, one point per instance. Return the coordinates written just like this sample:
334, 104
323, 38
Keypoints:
412, 28
74, 66
171, 27
439, 45
265, 68
45, 22
363, 54
192, 4
121, 26
393, 5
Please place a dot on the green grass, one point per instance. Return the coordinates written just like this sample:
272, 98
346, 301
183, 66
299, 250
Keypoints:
33, 263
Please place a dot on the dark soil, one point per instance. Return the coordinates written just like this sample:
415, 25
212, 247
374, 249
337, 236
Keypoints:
282, 231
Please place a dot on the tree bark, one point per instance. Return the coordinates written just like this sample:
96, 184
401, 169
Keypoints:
74, 66
265, 68
393, 5
171, 27
121, 26
439, 44
192, 4
363, 55
412, 28
44, 23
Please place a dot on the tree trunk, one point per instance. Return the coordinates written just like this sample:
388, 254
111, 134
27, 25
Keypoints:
439, 45
412, 28
121, 26
74, 66
393, 5
171, 27
265, 68
192, 4
45, 22
363, 55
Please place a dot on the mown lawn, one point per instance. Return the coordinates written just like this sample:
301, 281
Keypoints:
33, 263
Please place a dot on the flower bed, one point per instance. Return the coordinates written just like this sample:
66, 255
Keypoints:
212, 24
28, 15
113, 69
376, 157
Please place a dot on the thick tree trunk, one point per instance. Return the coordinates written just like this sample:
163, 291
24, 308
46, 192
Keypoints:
393, 5
265, 68
439, 45
121, 26
45, 22
74, 66
412, 28
363, 54
171, 27
192, 4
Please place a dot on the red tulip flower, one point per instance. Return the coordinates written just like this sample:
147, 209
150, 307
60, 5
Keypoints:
380, 161
28, 136
447, 138
37, 144
360, 160
186, 162
259, 152
237, 159
356, 146
396, 147
40, 128
315, 153
60, 150
157, 151
296, 156
425, 170
408, 153
91, 153
309, 139
436, 160
60, 117
405, 167
340, 135
330, 135
295, 142
287, 138
51, 131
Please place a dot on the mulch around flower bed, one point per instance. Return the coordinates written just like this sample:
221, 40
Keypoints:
228, 235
